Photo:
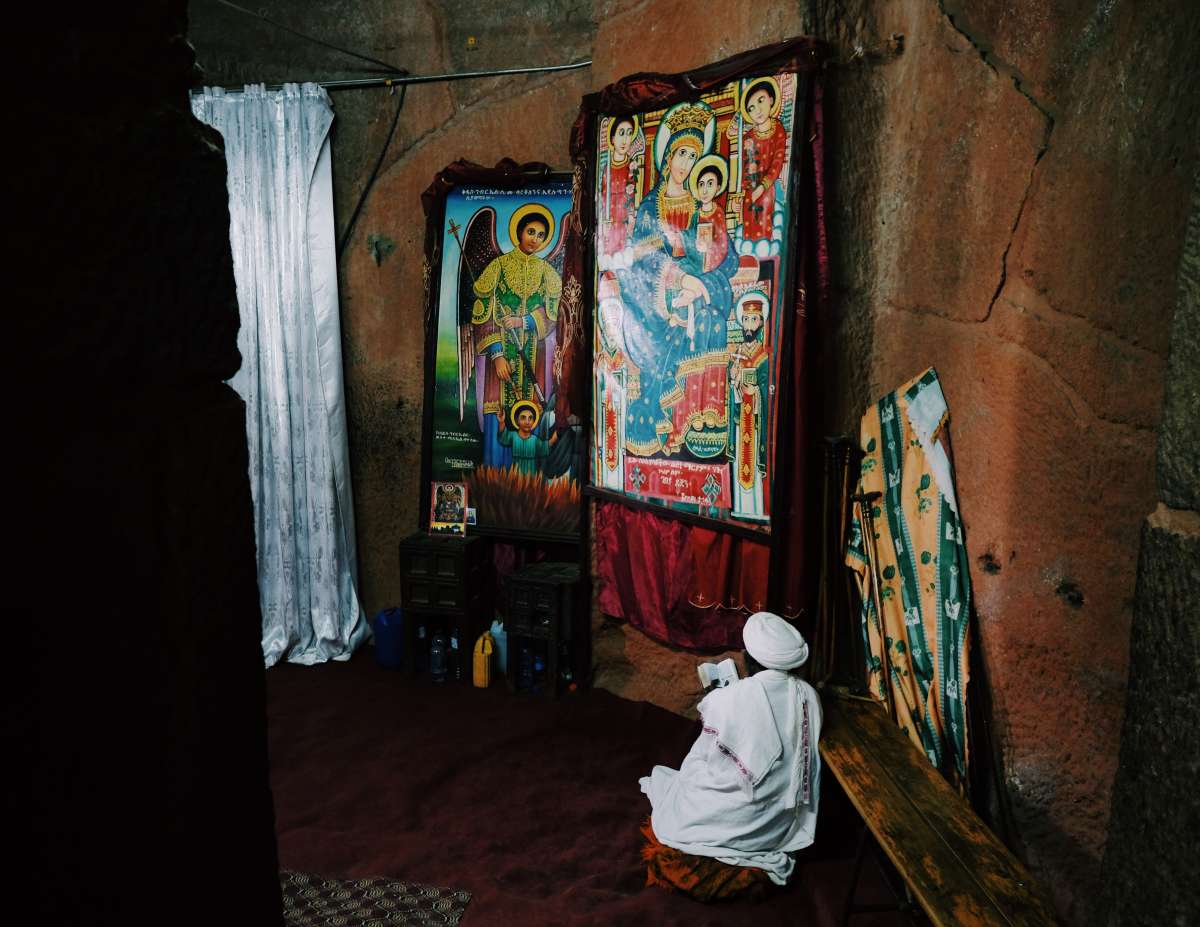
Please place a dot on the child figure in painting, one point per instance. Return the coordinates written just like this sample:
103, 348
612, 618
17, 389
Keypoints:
709, 179
528, 450
764, 149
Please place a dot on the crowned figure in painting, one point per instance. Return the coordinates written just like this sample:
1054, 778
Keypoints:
675, 307
749, 382
513, 312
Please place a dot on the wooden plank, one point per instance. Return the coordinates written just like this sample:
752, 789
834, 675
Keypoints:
1000, 874
947, 892
944, 870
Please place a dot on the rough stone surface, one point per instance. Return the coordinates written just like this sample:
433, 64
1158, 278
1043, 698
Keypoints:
1153, 795
1069, 127
524, 117
1179, 439
628, 662
1154, 803
234, 49
676, 35
538, 33
382, 309
1007, 202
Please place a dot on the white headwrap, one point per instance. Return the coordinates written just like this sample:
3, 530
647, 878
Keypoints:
773, 642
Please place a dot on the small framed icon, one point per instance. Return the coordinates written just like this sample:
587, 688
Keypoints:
448, 512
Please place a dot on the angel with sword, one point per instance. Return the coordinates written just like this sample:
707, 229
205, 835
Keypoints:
508, 309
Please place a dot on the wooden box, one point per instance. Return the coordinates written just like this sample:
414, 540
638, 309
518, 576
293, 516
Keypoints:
445, 582
544, 607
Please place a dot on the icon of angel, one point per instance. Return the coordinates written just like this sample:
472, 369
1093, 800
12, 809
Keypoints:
507, 314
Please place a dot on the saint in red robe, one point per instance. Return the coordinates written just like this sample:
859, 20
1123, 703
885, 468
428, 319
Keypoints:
763, 153
617, 199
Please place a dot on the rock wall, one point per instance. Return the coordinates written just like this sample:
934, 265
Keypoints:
523, 117
1153, 802
1011, 197
1008, 202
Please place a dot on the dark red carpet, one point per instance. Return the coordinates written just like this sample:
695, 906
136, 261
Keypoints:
532, 806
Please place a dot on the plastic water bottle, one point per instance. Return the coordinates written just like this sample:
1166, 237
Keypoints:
565, 676
525, 669
437, 657
456, 661
500, 645
539, 672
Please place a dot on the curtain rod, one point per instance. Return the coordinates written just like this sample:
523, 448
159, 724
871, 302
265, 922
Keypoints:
404, 79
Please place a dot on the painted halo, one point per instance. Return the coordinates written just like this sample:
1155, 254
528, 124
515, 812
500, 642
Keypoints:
531, 209
754, 85
753, 296
612, 126
712, 160
661, 138
522, 404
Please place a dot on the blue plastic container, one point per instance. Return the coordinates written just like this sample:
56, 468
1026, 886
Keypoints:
389, 638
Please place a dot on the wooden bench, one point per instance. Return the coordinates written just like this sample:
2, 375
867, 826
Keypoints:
957, 870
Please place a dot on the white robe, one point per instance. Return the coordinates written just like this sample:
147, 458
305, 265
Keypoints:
740, 794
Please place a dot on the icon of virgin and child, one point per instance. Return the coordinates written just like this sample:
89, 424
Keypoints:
673, 281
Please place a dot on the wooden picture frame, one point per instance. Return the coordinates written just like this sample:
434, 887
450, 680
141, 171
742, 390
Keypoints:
693, 225
495, 246
448, 512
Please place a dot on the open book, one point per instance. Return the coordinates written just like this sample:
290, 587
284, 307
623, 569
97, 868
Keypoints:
717, 675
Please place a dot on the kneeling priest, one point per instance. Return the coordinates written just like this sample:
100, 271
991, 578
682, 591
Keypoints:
744, 801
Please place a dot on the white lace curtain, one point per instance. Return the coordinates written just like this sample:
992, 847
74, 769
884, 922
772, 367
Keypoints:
284, 261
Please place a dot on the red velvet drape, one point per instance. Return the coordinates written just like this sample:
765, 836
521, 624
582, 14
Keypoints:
678, 583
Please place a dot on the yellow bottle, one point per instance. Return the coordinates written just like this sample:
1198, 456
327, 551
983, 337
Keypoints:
482, 661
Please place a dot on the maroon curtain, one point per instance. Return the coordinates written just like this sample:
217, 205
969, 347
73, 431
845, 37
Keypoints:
678, 582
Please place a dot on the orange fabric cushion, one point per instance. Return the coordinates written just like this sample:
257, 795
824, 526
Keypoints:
701, 877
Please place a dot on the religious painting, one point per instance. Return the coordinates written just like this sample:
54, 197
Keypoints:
693, 222
448, 508
493, 419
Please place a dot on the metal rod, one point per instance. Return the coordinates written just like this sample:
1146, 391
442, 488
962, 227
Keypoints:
824, 624
867, 521
403, 79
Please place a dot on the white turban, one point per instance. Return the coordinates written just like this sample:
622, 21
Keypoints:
773, 642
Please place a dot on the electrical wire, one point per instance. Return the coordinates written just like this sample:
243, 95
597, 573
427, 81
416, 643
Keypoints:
398, 76
406, 79
374, 174
389, 68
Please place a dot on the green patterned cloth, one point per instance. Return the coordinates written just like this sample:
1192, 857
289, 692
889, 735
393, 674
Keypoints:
924, 581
